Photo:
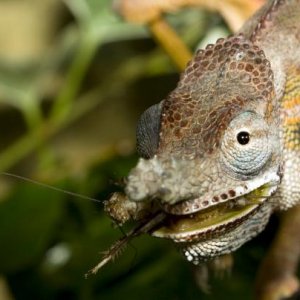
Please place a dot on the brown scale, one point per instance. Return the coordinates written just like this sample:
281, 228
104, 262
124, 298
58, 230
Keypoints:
200, 108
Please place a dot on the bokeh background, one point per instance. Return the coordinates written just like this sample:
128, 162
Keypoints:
74, 78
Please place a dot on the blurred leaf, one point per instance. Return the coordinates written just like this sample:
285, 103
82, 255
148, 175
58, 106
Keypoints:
88, 10
98, 21
28, 221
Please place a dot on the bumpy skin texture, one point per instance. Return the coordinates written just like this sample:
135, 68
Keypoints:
241, 83
248, 86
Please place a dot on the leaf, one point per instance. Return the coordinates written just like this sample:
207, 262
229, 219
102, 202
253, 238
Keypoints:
28, 221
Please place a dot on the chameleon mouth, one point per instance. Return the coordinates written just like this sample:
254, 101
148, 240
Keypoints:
213, 221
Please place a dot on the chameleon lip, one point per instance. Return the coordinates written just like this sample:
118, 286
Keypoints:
213, 221
197, 204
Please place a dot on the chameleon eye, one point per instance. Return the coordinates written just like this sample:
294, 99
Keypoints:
249, 160
243, 137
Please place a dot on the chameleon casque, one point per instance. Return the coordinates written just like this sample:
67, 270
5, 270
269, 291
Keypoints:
222, 152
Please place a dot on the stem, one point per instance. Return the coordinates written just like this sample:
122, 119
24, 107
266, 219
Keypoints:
33, 139
277, 273
34, 118
19, 149
63, 104
31, 111
170, 42
127, 72
75, 76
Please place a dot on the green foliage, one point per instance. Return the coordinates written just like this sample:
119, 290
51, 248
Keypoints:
28, 221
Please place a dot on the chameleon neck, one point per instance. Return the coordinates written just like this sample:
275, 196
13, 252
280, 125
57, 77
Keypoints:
290, 123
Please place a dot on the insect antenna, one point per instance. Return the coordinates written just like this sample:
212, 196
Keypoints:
51, 187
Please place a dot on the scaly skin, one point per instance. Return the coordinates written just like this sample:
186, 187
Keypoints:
222, 151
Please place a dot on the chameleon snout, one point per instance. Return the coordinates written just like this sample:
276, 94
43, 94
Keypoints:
152, 179
168, 179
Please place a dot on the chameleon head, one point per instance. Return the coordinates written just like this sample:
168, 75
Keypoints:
211, 151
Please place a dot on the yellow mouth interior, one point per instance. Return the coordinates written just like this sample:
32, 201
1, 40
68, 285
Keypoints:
215, 215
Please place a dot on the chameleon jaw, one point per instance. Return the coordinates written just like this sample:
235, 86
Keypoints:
214, 221
195, 205
217, 240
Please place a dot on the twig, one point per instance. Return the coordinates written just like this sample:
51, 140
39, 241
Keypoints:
277, 272
170, 42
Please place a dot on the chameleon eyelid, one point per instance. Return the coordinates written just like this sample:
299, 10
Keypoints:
147, 133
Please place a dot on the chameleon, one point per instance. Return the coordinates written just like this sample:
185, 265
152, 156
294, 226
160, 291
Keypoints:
221, 152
